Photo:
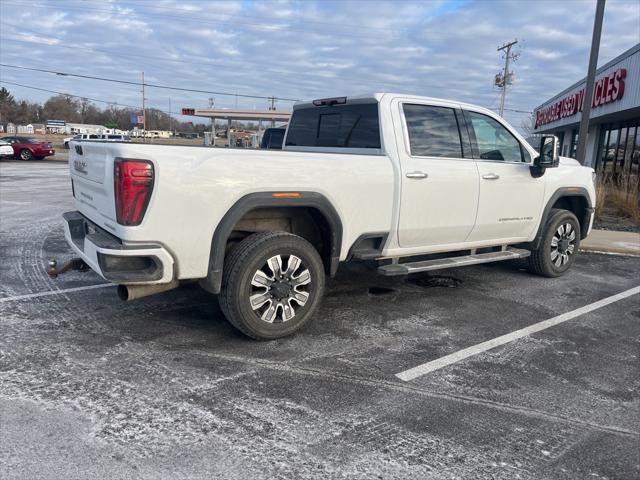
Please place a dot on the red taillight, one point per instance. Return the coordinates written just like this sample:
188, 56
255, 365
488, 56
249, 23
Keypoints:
133, 184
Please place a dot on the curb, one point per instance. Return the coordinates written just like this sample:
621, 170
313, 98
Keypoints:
612, 242
618, 253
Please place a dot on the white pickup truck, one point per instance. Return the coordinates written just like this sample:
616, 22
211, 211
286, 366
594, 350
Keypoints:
415, 183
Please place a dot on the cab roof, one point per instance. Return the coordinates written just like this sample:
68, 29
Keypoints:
378, 96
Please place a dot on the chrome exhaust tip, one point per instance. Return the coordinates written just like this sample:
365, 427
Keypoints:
126, 293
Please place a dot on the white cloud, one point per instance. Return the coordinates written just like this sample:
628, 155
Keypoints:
544, 54
313, 48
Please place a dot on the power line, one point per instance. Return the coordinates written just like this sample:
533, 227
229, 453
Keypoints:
68, 94
108, 102
152, 85
135, 106
235, 67
318, 76
517, 111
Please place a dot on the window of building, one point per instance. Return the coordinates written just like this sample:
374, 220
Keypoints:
573, 151
629, 146
560, 136
603, 141
433, 131
622, 142
619, 148
635, 156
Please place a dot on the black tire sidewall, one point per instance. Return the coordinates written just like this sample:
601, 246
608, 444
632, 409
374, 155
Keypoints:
239, 289
559, 218
29, 155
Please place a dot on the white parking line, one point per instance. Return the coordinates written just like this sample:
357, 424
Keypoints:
54, 292
429, 367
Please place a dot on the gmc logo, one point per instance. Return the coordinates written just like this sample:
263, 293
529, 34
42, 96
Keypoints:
80, 165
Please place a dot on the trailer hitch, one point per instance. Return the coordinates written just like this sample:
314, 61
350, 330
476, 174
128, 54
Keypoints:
74, 264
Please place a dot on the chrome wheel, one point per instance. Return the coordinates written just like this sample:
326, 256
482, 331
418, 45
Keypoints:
277, 291
563, 244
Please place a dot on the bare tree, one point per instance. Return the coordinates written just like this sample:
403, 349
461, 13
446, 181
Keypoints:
84, 104
527, 126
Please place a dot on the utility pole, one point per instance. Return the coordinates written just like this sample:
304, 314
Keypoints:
591, 75
212, 104
273, 103
144, 113
169, 113
506, 75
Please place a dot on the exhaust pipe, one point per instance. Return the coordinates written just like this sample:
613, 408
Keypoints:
133, 292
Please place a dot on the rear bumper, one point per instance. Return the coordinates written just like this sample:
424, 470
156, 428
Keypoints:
45, 152
114, 260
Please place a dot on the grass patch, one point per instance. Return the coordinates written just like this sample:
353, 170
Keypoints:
618, 195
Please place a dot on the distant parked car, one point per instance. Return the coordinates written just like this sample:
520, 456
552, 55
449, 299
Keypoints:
27, 148
82, 136
6, 150
112, 137
272, 138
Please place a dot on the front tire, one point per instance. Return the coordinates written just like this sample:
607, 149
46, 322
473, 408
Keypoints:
272, 284
26, 154
558, 246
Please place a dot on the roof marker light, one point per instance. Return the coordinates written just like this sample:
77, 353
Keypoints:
330, 101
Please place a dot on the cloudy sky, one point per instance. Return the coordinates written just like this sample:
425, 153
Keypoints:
305, 49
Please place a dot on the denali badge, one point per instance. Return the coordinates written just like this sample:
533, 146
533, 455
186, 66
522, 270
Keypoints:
80, 165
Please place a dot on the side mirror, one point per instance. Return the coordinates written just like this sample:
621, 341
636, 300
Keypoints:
548, 158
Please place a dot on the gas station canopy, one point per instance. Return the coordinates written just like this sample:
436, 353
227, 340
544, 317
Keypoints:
229, 114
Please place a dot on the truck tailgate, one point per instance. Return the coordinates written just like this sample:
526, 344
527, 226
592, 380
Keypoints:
91, 167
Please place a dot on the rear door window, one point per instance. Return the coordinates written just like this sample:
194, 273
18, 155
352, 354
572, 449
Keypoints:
433, 131
347, 126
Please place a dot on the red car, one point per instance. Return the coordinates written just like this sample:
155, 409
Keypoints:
27, 148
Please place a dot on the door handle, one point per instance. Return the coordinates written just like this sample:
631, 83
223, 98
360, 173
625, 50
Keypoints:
491, 176
417, 175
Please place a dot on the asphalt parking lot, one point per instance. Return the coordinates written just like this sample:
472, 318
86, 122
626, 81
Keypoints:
164, 387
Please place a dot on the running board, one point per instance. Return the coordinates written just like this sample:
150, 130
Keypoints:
452, 262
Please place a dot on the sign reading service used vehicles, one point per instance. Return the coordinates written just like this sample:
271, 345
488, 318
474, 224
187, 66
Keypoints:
607, 89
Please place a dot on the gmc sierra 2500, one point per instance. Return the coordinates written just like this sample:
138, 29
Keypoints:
417, 183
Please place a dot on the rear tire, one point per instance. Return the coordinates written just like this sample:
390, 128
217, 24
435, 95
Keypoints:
559, 245
272, 284
26, 154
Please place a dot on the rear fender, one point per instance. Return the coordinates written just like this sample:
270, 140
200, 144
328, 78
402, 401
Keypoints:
213, 281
